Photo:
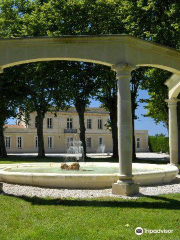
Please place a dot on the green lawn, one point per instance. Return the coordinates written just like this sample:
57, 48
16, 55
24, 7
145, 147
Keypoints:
28, 218
23, 159
96, 219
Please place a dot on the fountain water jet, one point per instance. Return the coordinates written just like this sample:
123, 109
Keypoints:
76, 148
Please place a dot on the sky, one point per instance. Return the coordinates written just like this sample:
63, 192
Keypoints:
142, 123
146, 123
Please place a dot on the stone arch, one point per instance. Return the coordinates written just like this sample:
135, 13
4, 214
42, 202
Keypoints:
173, 84
121, 52
108, 50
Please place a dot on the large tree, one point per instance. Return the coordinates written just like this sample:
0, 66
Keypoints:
12, 94
45, 91
152, 20
136, 79
156, 21
107, 95
157, 108
82, 87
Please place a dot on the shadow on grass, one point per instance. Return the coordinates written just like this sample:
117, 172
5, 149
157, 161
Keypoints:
147, 202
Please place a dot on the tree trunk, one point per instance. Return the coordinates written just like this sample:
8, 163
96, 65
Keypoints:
133, 130
178, 120
40, 118
134, 142
3, 152
113, 119
82, 129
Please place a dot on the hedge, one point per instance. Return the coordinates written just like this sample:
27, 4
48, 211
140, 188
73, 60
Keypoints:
159, 144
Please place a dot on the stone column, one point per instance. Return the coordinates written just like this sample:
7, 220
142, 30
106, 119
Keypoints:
1, 184
173, 130
125, 184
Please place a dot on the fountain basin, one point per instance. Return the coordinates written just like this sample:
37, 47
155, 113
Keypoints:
91, 176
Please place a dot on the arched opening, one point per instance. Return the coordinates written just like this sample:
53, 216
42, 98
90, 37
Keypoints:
121, 53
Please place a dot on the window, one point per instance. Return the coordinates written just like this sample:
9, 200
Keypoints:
19, 142
69, 123
89, 142
138, 143
8, 142
100, 141
69, 142
36, 122
99, 123
50, 142
49, 122
36, 142
89, 124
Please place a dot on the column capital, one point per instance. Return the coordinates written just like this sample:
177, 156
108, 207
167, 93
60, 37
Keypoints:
172, 102
123, 70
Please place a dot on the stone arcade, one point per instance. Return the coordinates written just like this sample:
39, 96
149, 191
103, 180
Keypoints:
122, 53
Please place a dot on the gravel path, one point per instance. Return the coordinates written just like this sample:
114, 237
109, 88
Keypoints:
17, 190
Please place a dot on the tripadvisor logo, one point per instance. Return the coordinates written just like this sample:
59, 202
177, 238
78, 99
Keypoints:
139, 231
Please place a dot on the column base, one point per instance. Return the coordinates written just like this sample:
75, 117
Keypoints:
125, 188
174, 164
1, 187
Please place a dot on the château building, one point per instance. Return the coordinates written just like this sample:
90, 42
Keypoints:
60, 131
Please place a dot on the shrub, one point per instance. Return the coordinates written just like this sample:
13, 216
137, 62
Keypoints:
159, 144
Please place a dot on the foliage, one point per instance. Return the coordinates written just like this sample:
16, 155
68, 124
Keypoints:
152, 20
107, 95
37, 84
82, 86
158, 22
153, 81
44, 90
12, 94
160, 135
82, 80
159, 144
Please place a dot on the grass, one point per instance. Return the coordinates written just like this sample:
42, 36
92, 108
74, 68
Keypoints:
25, 218
24, 159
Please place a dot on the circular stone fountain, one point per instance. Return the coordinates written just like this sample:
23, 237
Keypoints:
90, 176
